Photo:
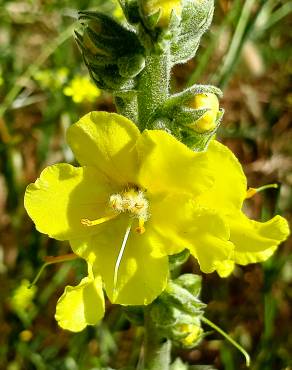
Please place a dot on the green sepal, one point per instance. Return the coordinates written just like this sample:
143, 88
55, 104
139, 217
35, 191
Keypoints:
198, 141
182, 299
151, 20
176, 260
109, 78
131, 11
178, 311
160, 124
112, 53
186, 116
130, 66
195, 20
108, 35
174, 102
190, 282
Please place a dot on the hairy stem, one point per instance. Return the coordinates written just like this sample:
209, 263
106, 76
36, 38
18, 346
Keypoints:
153, 87
156, 348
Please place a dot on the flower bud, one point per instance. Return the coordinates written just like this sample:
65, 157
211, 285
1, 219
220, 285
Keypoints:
193, 334
177, 312
160, 10
112, 53
208, 120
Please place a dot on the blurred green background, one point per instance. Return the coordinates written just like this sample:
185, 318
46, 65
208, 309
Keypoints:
44, 87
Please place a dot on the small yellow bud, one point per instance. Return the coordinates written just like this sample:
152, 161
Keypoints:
208, 121
167, 6
22, 296
194, 333
25, 335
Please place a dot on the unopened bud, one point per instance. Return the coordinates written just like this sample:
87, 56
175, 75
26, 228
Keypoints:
208, 120
162, 8
193, 334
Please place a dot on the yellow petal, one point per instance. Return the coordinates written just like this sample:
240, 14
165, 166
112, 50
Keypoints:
81, 305
62, 196
141, 276
224, 268
256, 241
229, 190
107, 142
208, 239
168, 165
208, 120
170, 215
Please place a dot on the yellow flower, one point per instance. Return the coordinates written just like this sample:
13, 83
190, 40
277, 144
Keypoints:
52, 79
137, 199
82, 89
208, 121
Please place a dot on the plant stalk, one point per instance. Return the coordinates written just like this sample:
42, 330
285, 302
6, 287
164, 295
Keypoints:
156, 349
153, 87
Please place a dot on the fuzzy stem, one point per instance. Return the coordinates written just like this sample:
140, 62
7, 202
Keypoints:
153, 86
126, 105
156, 348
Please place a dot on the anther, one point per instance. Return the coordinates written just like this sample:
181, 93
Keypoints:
140, 229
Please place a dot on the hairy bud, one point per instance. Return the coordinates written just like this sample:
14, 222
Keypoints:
208, 120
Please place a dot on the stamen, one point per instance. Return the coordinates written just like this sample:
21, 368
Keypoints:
252, 191
119, 259
99, 221
140, 229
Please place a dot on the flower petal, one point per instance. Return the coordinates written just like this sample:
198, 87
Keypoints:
168, 165
141, 276
62, 196
107, 142
229, 190
81, 305
170, 214
208, 239
256, 241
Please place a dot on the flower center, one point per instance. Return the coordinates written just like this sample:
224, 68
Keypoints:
131, 201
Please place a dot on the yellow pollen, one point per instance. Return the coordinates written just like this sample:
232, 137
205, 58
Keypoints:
140, 229
99, 221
